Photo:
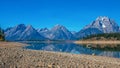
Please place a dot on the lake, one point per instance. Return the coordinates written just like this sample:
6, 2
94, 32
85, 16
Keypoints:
100, 50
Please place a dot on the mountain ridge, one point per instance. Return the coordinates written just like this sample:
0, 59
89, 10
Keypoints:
102, 24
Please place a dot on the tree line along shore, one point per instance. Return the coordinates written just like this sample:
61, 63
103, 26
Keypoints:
106, 38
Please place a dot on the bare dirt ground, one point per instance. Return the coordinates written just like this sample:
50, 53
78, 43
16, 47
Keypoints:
13, 56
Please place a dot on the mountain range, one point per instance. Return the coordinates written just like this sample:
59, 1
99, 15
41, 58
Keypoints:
102, 24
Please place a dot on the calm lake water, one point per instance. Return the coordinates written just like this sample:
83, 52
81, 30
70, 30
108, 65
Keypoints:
76, 49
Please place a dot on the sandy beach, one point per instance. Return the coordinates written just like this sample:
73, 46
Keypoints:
12, 55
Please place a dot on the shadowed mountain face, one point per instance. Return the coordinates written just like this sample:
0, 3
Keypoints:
88, 31
59, 32
14, 33
30, 34
105, 25
22, 32
100, 25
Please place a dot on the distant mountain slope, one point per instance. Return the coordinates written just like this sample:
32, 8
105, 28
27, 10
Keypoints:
22, 32
100, 25
60, 32
30, 34
14, 33
87, 32
44, 32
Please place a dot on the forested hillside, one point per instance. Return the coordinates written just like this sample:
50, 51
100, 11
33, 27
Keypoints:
105, 36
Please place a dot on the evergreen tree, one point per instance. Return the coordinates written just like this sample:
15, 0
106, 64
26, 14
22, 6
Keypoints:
115, 36
2, 36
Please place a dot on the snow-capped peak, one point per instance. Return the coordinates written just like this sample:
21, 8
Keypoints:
102, 18
103, 26
56, 27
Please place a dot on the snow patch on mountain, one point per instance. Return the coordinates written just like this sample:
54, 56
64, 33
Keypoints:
102, 24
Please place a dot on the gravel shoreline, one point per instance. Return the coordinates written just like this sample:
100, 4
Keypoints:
13, 56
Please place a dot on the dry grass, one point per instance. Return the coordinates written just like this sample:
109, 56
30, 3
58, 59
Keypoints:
97, 42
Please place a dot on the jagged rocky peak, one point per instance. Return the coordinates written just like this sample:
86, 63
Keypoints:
30, 29
29, 26
60, 32
105, 24
58, 26
101, 21
20, 26
102, 24
103, 18
44, 29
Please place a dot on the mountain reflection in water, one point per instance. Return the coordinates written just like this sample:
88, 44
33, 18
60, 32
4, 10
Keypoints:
101, 50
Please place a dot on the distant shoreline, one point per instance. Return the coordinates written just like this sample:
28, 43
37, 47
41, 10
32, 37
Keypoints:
97, 42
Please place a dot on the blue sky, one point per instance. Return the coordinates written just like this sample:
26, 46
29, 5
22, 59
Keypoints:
73, 14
